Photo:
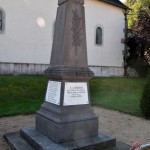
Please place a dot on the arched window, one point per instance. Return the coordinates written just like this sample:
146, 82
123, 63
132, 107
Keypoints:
99, 36
1, 20
2, 17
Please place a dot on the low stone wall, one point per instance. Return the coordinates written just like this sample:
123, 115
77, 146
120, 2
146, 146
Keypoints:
107, 71
20, 69
37, 69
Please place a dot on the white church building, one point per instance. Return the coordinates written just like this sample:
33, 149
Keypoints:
27, 28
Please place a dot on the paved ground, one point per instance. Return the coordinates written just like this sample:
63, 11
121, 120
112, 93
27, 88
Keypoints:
123, 127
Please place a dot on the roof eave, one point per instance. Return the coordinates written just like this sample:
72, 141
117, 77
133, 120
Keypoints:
121, 6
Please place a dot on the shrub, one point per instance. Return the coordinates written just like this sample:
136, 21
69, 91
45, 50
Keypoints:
145, 100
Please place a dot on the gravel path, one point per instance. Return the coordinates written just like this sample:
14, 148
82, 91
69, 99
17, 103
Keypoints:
123, 127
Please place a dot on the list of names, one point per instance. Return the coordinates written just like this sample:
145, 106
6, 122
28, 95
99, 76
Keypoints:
53, 92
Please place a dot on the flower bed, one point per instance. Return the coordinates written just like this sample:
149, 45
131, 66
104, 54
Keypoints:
137, 146
145, 147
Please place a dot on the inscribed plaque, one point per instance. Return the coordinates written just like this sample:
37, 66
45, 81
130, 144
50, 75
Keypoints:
53, 92
76, 93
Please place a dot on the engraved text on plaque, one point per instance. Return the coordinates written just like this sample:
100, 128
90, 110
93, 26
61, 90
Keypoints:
75, 93
53, 92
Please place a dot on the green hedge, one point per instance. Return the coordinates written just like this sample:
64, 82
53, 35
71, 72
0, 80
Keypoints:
145, 100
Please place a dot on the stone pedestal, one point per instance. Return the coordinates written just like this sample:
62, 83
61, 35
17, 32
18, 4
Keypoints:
68, 121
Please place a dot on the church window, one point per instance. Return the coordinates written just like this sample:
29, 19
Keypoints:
1, 20
99, 36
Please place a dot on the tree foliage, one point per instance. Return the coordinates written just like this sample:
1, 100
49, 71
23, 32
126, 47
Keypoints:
136, 7
138, 34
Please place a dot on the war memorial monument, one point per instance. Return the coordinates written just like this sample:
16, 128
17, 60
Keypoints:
66, 121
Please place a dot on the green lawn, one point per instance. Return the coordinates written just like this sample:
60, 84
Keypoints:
21, 94
25, 94
121, 94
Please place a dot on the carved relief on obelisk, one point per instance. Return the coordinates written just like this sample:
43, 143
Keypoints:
76, 30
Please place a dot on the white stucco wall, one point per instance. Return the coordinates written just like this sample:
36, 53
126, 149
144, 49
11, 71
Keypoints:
111, 20
24, 41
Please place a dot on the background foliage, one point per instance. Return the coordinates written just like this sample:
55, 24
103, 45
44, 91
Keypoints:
145, 100
138, 35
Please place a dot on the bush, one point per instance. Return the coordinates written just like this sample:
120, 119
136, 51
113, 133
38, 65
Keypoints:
141, 67
145, 100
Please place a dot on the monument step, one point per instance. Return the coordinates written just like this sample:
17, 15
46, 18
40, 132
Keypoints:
16, 142
28, 138
119, 146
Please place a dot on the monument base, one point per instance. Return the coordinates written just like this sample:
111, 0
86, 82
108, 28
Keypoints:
31, 139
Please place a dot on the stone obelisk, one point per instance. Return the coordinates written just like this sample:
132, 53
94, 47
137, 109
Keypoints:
66, 120
66, 113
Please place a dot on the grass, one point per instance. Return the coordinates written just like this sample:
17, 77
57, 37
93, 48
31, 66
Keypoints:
25, 94
121, 94
21, 94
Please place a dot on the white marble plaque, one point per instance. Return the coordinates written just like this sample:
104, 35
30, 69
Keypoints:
53, 92
76, 93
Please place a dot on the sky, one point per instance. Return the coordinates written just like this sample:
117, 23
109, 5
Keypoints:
123, 1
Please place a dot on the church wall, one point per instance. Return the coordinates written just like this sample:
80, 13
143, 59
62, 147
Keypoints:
26, 41
23, 40
111, 20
